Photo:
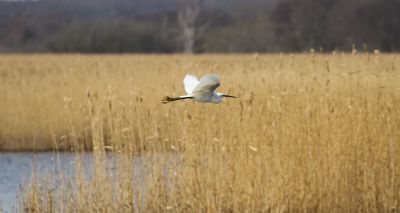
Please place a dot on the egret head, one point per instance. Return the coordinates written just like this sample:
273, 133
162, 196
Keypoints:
221, 95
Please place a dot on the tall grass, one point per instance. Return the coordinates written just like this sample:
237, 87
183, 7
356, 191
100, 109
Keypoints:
309, 133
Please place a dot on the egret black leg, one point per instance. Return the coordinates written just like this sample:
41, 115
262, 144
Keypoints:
168, 99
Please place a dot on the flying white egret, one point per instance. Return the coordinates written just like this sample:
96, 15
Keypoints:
202, 91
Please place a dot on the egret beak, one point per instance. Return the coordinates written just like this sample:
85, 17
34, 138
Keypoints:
229, 96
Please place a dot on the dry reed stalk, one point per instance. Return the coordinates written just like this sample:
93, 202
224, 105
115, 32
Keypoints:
309, 133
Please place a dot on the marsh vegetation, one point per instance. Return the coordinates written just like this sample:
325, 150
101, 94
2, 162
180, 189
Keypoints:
308, 133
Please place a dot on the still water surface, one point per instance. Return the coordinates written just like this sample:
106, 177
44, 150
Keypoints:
16, 170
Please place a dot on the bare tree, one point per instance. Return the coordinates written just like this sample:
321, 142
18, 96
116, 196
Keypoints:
187, 18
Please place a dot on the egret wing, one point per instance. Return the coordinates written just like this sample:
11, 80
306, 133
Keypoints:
190, 82
207, 84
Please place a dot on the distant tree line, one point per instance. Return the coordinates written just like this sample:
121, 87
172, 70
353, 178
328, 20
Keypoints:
103, 26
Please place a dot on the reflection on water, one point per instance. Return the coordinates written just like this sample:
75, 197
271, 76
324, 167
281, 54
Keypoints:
16, 170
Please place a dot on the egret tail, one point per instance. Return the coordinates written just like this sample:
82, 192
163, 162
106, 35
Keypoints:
168, 99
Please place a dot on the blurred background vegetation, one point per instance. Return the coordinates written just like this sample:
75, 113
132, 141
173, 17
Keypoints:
161, 26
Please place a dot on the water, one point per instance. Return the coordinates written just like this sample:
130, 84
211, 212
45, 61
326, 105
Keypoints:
16, 170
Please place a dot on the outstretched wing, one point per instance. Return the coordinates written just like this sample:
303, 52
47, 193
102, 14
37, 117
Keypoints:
207, 84
190, 82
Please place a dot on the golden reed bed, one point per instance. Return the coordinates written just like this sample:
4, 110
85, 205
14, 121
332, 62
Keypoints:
308, 133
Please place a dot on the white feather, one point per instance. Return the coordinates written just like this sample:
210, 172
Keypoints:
201, 91
207, 84
190, 82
